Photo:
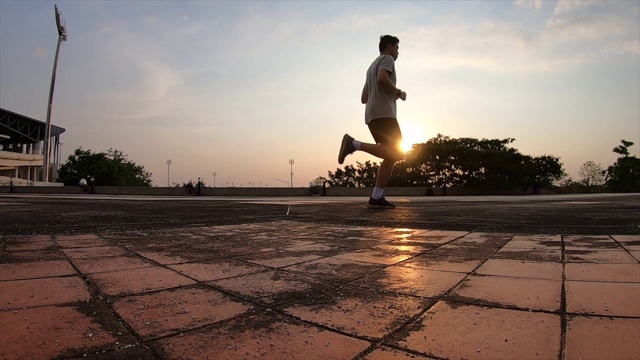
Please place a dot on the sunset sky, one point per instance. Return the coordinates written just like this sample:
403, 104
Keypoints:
239, 88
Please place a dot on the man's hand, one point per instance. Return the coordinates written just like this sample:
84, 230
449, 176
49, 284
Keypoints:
402, 96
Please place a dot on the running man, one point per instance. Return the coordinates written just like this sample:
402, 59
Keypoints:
380, 94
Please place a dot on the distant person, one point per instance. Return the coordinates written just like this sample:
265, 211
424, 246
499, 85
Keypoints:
380, 94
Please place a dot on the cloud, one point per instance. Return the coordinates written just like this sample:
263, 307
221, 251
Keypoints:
570, 28
488, 46
568, 6
157, 79
611, 28
579, 35
632, 47
529, 4
133, 75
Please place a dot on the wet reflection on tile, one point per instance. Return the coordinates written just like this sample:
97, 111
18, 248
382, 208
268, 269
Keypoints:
411, 281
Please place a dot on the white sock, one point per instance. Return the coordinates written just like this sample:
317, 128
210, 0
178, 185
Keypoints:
357, 144
377, 193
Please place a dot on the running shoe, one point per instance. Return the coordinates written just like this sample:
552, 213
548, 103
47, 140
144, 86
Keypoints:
381, 203
346, 148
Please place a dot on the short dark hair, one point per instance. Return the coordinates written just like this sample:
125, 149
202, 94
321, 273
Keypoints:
386, 40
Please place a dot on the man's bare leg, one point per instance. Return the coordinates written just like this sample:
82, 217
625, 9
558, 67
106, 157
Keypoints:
382, 151
384, 173
389, 153
385, 152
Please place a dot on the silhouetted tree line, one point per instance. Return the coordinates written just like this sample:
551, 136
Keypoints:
462, 162
441, 161
108, 169
624, 174
492, 163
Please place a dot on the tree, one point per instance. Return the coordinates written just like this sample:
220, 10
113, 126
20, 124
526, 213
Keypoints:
547, 170
463, 162
319, 181
591, 174
361, 176
108, 169
624, 174
623, 149
486, 163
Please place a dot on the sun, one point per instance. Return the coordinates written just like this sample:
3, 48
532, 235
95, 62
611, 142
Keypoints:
412, 133
406, 145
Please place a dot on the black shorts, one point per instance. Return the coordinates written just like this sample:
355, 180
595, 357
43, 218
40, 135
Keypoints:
386, 131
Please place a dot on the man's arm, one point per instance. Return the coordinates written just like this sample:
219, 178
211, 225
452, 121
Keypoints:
365, 95
385, 83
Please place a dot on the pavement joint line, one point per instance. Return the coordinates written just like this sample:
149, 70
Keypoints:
563, 299
243, 299
45, 277
93, 290
141, 340
276, 308
196, 328
448, 292
623, 247
162, 222
482, 303
443, 297
374, 347
600, 316
483, 227
604, 281
377, 344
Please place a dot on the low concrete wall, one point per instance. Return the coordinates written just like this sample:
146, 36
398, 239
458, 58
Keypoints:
520, 190
265, 192
209, 191
41, 189
428, 191
389, 191
140, 190
8, 181
157, 191
107, 190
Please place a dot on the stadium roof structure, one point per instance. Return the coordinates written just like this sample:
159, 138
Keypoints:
19, 129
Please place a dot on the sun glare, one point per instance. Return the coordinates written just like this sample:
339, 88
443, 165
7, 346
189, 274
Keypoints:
411, 134
406, 145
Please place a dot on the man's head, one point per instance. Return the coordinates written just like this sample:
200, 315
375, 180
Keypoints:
389, 45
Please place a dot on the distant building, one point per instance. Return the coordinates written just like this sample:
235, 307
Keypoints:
21, 149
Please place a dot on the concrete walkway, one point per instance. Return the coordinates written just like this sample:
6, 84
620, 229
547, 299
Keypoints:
291, 288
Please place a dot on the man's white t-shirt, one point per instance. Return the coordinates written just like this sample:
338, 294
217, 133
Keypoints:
380, 104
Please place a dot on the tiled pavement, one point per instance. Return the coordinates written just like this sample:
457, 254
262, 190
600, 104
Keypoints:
297, 290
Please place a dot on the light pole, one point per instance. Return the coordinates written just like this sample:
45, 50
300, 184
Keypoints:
214, 179
291, 162
168, 167
62, 36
